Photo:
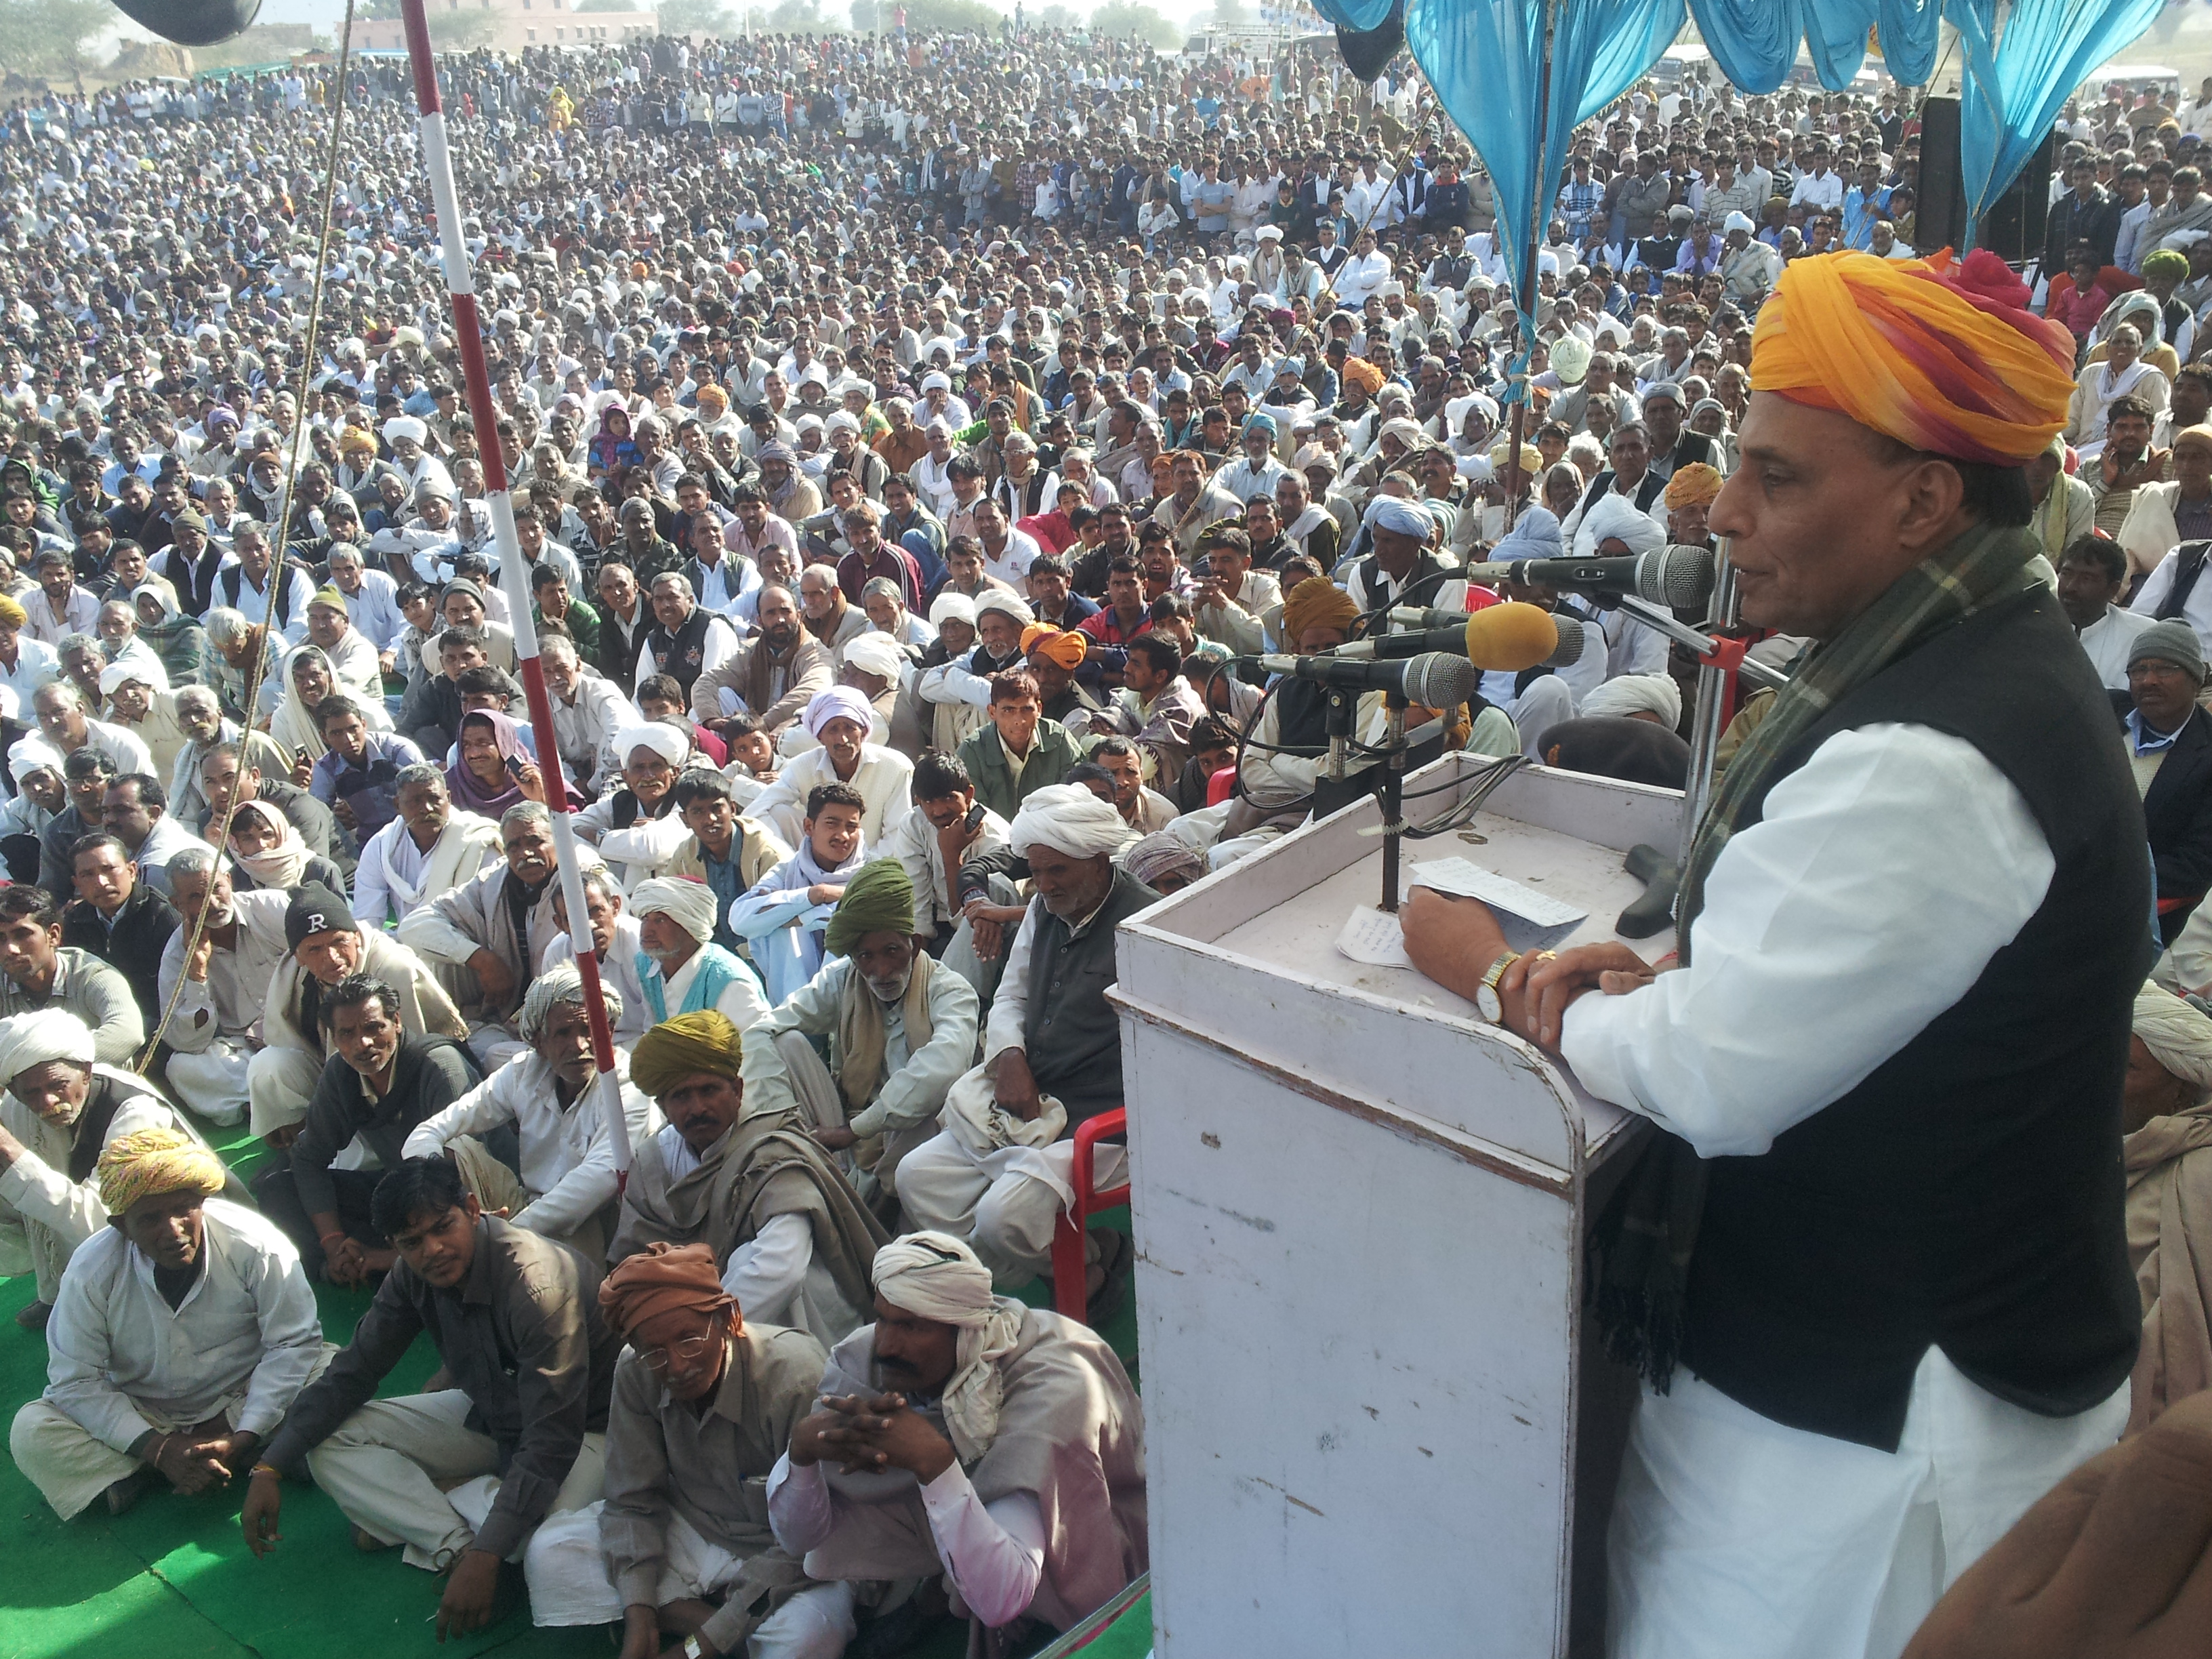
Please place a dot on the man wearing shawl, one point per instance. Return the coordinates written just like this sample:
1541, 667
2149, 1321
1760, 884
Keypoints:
181, 1335
744, 1179
900, 1029
564, 1183
840, 721
705, 1401
999, 1174
324, 943
60, 1112
427, 849
783, 915
965, 1434
494, 928
1873, 1267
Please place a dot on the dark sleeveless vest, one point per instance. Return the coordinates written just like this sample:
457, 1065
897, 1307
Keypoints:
1968, 1193
684, 656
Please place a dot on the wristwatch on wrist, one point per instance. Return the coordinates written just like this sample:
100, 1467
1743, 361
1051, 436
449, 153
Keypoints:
1487, 1002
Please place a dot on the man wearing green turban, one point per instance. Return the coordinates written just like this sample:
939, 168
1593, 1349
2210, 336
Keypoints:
742, 1176
901, 1030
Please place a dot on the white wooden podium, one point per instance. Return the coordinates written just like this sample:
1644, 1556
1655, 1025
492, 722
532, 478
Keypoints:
1360, 1212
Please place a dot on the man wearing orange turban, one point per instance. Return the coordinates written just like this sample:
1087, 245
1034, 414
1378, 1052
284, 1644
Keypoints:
1874, 1272
704, 1403
1690, 495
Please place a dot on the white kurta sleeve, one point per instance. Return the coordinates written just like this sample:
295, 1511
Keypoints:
766, 1270
483, 1107
81, 1357
1883, 875
1009, 1008
800, 1510
994, 1554
291, 1335
916, 1091
649, 840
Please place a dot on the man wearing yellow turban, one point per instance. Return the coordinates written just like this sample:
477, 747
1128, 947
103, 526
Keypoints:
746, 1180
181, 1336
1690, 496
1874, 1272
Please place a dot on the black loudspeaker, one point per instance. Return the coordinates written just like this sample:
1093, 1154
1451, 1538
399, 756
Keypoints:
1368, 53
2013, 227
192, 22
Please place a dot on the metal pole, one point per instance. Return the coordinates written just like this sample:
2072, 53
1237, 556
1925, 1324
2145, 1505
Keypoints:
468, 335
1518, 424
1705, 724
1394, 799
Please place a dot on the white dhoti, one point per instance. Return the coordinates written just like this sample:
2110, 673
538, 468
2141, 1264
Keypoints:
569, 1585
494, 1044
213, 1082
500, 1191
279, 1084
823, 1102
72, 1467
409, 1471
1004, 1203
1733, 1535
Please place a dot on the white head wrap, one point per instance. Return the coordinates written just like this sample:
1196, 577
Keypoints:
664, 739
118, 673
952, 607
33, 753
1009, 603
45, 1034
839, 702
1615, 516
556, 985
1407, 433
1068, 819
875, 653
1406, 518
1737, 220
1637, 693
690, 901
935, 1276
404, 426
2177, 1035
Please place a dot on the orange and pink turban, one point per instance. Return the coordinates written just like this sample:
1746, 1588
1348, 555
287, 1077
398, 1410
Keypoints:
1941, 356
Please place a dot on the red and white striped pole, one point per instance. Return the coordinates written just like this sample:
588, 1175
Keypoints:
468, 333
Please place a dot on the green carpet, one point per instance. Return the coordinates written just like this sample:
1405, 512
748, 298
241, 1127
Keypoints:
173, 1576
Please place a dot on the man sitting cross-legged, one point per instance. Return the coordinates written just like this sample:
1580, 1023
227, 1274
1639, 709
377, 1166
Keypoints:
793, 1242
705, 1401
325, 945
182, 1333
678, 967
565, 1184
381, 1081
962, 1433
901, 1027
461, 1476
1051, 1034
60, 1112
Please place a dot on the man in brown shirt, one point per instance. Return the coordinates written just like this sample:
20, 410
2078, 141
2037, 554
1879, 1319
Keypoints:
516, 1321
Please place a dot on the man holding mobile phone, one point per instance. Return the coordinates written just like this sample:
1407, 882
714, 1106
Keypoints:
947, 827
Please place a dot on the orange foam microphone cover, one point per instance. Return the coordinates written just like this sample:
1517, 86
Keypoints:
1511, 636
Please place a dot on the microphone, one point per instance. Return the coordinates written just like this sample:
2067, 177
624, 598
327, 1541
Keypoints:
1673, 575
192, 22
1436, 679
1511, 637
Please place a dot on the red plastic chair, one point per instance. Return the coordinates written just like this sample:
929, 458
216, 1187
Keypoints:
1068, 1291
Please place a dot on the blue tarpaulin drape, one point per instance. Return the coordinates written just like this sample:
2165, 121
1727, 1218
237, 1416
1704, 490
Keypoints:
1484, 58
2016, 79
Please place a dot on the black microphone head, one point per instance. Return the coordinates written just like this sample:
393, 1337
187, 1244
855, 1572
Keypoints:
192, 22
1440, 680
1676, 575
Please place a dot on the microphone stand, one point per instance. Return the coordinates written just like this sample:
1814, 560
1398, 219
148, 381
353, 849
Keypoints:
1394, 783
1718, 657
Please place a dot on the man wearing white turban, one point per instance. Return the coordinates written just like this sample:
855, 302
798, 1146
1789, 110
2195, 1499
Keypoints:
1613, 527
567, 1187
635, 823
680, 968
1004, 1416
1401, 536
1654, 697
60, 1111
421, 469
1051, 1047
842, 723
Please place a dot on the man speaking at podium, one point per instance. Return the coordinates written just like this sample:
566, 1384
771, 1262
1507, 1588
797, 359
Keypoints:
1874, 1272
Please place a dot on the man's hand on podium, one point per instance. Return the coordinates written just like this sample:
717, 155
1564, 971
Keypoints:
1455, 940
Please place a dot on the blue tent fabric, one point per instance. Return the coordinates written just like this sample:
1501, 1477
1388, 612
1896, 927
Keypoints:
2017, 82
1484, 58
